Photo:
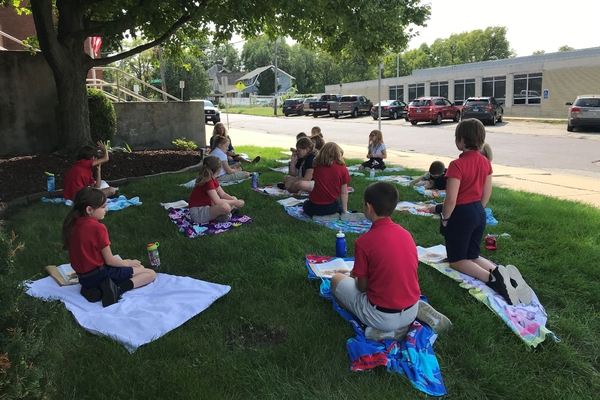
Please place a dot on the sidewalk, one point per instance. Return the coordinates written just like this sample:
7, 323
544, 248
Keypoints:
562, 186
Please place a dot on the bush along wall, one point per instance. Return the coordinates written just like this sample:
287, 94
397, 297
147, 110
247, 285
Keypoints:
103, 119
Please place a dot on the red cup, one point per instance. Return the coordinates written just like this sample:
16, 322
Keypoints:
490, 243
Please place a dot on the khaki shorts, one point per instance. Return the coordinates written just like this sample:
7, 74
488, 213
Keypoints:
358, 304
200, 215
236, 176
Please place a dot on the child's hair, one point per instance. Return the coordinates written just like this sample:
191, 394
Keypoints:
486, 150
383, 196
305, 144
219, 140
472, 131
211, 165
316, 131
318, 141
85, 197
437, 168
301, 135
217, 127
87, 153
329, 154
376, 137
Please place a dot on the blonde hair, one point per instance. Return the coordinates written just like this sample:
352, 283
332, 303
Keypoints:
211, 165
218, 141
486, 150
316, 131
329, 154
216, 129
376, 138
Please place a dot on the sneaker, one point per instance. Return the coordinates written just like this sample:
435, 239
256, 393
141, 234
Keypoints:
353, 217
377, 335
223, 218
435, 319
91, 294
281, 186
517, 281
500, 282
235, 211
110, 292
256, 159
326, 218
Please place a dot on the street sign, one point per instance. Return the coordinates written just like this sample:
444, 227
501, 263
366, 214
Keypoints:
155, 80
240, 86
546, 93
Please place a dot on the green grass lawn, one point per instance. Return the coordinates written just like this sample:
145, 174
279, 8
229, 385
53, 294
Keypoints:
273, 337
259, 110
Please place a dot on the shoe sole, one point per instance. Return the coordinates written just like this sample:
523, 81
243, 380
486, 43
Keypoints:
377, 335
326, 218
511, 291
109, 292
432, 317
353, 217
523, 289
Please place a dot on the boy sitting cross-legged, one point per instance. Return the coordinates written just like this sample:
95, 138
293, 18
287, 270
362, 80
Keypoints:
383, 289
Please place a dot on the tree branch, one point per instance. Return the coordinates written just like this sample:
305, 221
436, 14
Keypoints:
44, 26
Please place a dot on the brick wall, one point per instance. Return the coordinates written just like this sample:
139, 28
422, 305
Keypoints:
18, 26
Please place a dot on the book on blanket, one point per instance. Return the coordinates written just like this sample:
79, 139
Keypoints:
64, 275
435, 254
327, 269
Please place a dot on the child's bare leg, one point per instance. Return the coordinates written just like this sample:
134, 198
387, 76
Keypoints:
300, 185
142, 276
335, 280
471, 268
289, 180
219, 209
109, 191
361, 167
485, 263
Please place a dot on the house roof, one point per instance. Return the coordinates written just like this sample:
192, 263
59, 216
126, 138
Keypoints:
260, 70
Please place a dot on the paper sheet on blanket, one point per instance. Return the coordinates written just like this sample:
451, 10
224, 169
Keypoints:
175, 204
285, 169
434, 254
284, 161
291, 201
287, 153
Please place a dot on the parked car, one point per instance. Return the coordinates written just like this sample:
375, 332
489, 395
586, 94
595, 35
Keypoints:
352, 105
584, 111
306, 105
292, 106
392, 109
485, 109
322, 105
211, 113
432, 109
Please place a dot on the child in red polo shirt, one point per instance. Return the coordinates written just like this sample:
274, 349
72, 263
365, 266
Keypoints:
80, 175
102, 275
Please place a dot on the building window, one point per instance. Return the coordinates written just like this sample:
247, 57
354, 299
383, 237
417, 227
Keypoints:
494, 86
463, 89
439, 89
416, 90
528, 89
397, 92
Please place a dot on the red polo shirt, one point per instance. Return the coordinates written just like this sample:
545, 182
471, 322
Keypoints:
387, 256
79, 176
328, 182
199, 196
88, 239
471, 169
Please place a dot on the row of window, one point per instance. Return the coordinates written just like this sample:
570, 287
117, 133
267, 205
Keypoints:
527, 89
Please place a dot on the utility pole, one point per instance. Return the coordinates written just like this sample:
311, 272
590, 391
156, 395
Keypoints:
162, 74
379, 95
276, 80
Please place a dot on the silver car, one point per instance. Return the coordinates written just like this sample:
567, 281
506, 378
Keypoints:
306, 105
584, 111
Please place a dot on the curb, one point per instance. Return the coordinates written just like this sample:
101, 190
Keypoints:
32, 198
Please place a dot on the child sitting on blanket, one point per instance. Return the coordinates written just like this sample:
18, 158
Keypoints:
220, 130
80, 175
227, 173
331, 182
463, 218
208, 201
383, 288
434, 179
102, 275
376, 152
301, 168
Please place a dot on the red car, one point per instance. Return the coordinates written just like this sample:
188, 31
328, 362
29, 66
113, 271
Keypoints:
432, 109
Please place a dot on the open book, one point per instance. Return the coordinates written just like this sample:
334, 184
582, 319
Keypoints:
327, 269
64, 275
435, 254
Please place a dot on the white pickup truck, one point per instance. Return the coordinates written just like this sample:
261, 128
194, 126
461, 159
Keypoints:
351, 105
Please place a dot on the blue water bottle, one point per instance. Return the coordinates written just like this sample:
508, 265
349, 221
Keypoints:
50, 182
340, 245
254, 180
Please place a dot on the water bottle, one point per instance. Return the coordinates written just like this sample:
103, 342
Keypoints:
49, 181
153, 255
340, 245
255, 180
372, 173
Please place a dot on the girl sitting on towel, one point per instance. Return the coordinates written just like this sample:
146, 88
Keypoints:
377, 152
102, 275
227, 173
331, 182
220, 130
208, 201
301, 167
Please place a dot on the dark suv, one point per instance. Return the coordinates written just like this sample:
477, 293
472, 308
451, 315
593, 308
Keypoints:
292, 106
485, 109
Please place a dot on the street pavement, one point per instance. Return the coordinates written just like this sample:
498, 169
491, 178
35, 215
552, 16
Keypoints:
567, 185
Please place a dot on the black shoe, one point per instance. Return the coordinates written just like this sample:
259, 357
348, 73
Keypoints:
110, 292
500, 282
91, 294
281, 186
235, 211
256, 159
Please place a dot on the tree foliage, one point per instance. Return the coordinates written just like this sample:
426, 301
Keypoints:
566, 48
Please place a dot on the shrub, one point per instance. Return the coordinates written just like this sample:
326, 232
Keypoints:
221, 106
103, 119
182, 144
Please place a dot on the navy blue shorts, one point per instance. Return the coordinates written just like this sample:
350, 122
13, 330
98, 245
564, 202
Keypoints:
464, 232
369, 164
117, 274
311, 208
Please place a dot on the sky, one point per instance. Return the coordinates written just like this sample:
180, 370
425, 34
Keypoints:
532, 24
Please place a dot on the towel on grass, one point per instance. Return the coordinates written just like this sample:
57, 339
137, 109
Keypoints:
181, 218
344, 226
416, 208
526, 321
285, 169
192, 183
143, 314
286, 161
489, 218
119, 203
273, 190
412, 357
388, 169
431, 193
403, 180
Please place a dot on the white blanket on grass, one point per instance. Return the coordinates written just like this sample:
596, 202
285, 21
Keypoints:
143, 314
